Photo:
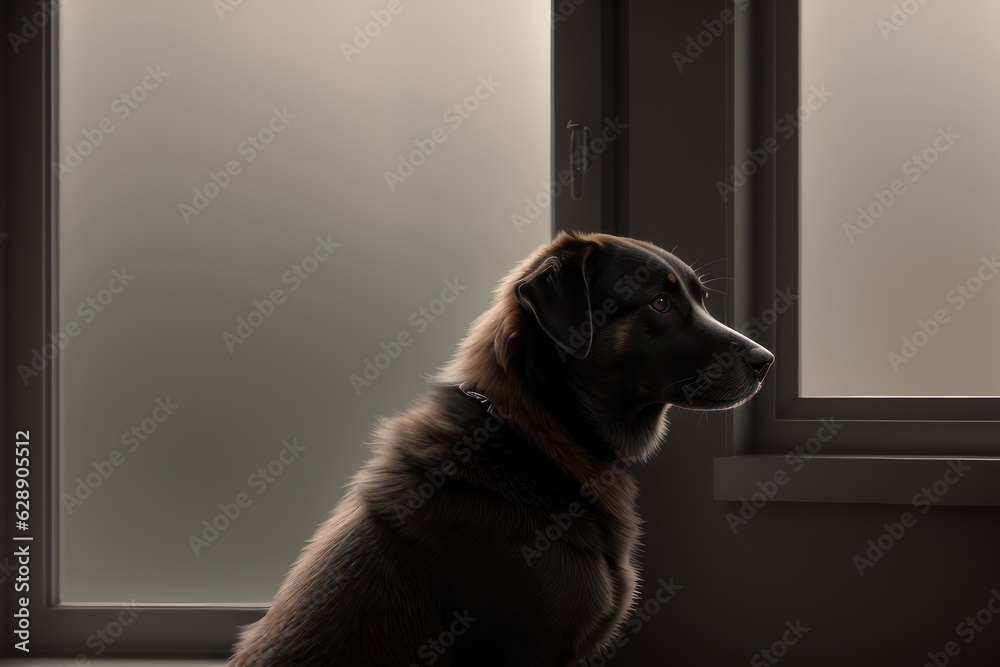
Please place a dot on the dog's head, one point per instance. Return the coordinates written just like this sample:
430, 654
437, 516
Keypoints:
619, 332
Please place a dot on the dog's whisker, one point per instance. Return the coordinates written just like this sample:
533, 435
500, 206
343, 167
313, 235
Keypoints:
712, 289
674, 384
714, 261
704, 266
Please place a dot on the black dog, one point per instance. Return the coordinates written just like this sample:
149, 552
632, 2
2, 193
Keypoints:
495, 524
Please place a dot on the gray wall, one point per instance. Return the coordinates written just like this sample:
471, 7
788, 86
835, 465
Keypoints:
792, 561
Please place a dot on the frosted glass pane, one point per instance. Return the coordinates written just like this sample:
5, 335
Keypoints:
255, 206
900, 223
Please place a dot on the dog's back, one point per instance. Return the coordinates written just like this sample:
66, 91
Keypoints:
352, 587
415, 565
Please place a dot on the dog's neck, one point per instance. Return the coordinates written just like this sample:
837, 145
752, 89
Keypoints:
487, 361
549, 396
546, 376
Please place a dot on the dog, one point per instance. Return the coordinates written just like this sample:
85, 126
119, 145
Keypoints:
495, 523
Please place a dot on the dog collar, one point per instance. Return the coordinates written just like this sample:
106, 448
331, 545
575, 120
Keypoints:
596, 448
491, 409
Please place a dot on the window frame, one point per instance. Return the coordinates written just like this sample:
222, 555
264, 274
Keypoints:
586, 47
888, 447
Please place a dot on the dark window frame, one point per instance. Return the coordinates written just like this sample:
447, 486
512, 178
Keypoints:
587, 47
887, 448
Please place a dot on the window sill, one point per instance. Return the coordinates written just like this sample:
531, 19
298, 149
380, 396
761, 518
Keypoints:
897, 480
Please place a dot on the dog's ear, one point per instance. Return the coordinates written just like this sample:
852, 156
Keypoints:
557, 293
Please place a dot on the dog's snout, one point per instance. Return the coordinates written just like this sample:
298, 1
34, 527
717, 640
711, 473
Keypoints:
758, 358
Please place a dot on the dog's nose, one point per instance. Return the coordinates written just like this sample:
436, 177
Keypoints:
758, 358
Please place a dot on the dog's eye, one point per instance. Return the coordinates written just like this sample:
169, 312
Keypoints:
660, 304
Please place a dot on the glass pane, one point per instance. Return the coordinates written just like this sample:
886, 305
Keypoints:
275, 222
899, 215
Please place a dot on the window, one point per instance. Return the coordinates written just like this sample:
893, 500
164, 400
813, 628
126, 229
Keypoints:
897, 217
868, 232
269, 243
